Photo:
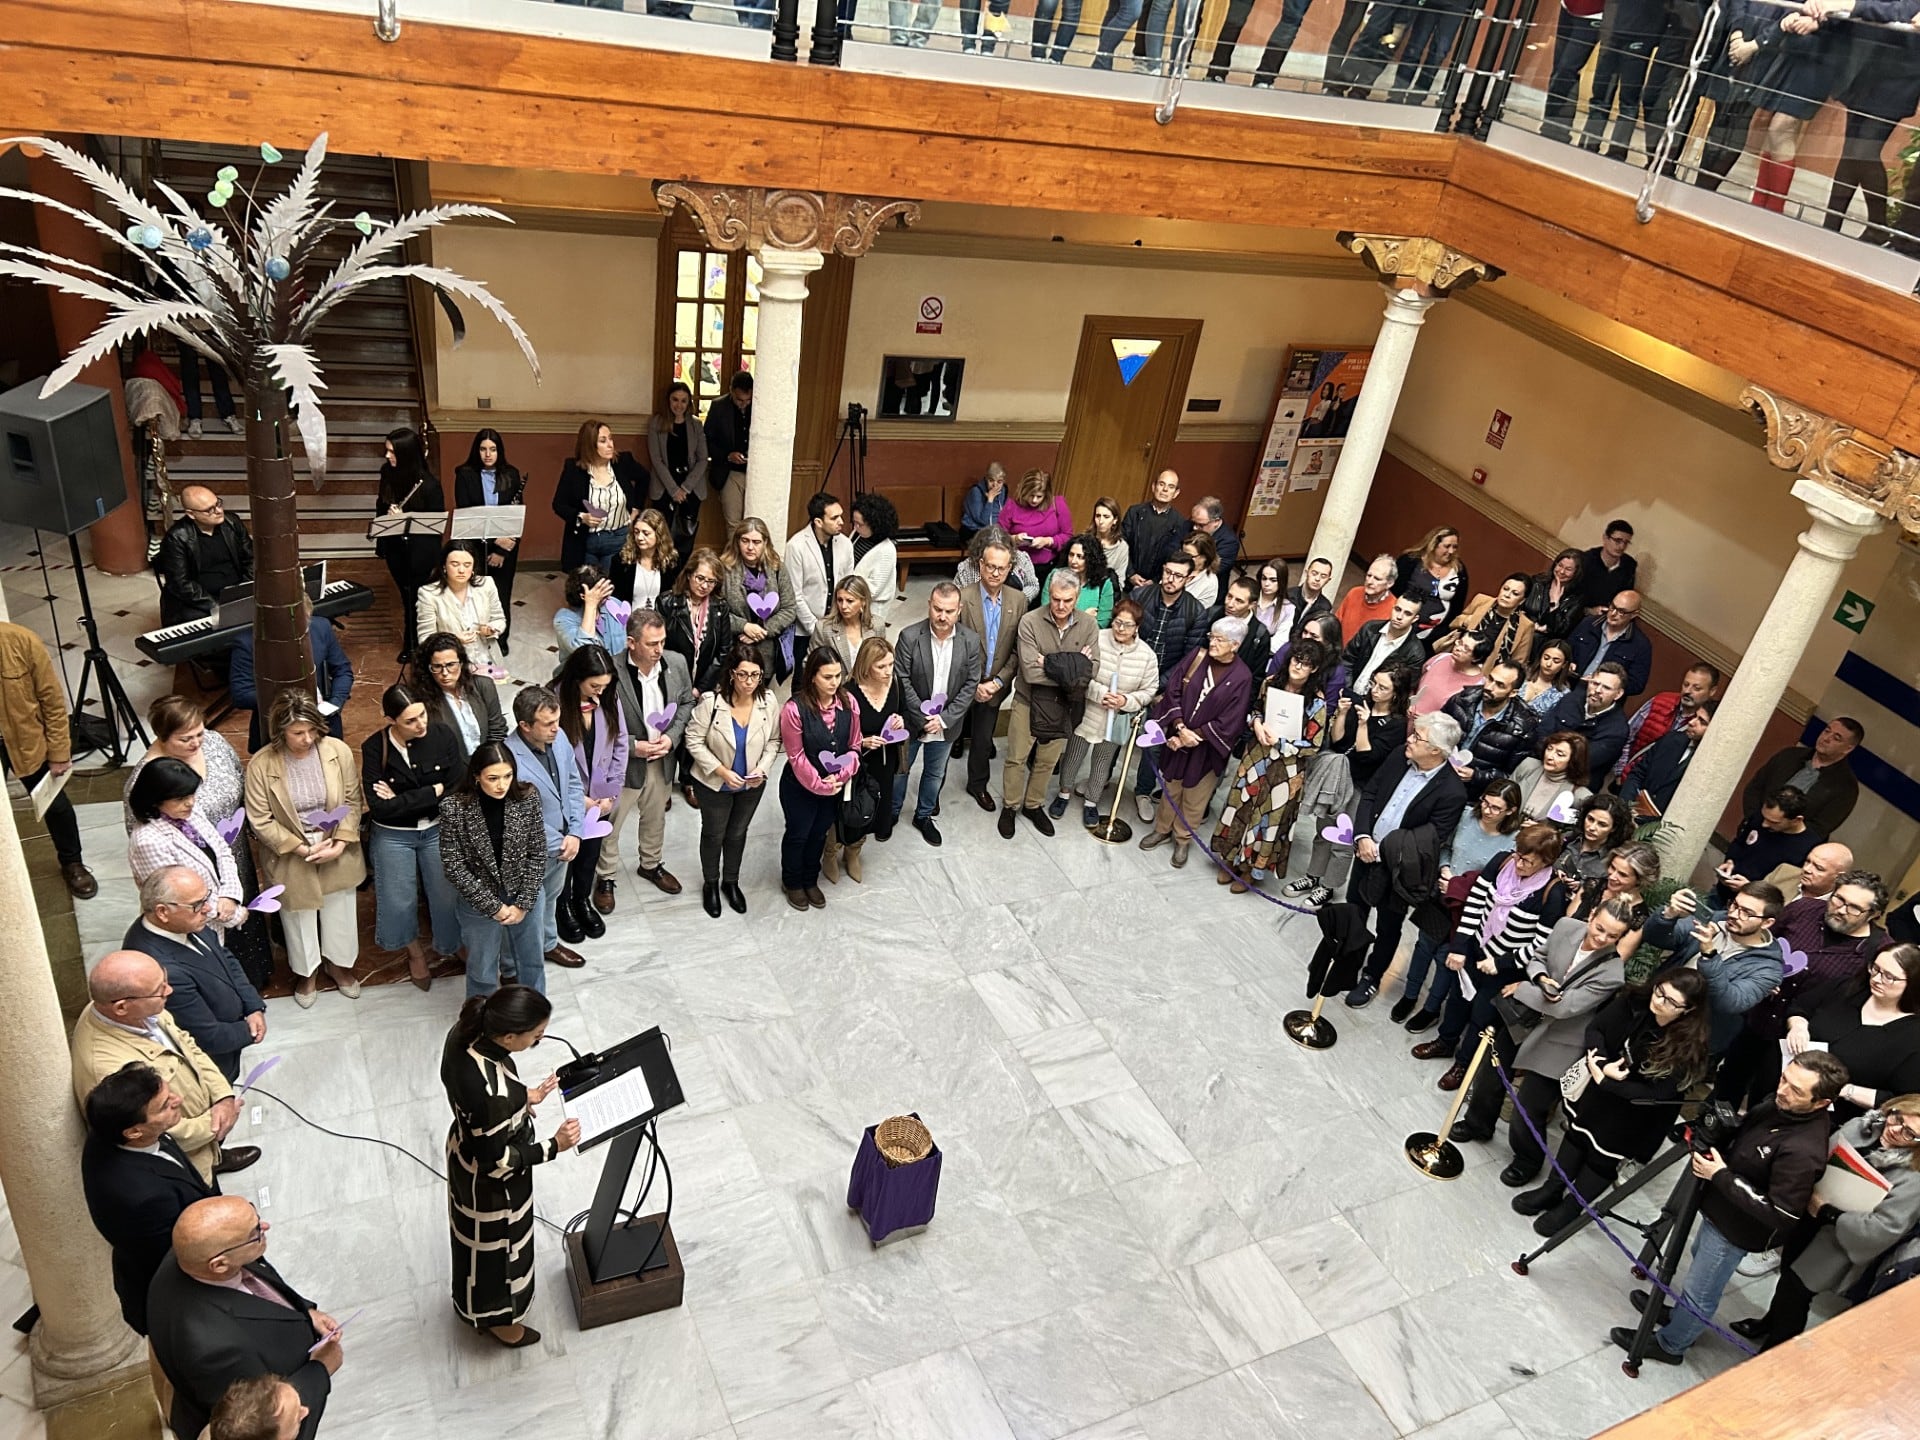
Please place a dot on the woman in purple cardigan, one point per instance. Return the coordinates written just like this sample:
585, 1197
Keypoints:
1037, 519
1203, 713
590, 714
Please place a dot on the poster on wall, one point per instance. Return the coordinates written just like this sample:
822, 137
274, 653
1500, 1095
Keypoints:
1319, 386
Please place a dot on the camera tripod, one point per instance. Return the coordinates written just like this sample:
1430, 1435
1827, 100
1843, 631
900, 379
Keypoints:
853, 428
117, 708
1666, 1238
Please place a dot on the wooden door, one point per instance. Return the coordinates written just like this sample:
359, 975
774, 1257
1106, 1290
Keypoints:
1129, 385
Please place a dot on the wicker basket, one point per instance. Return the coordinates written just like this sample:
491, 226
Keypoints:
902, 1140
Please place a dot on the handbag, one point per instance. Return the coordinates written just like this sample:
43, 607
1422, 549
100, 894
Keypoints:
1574, 1083
1519, 1019
859, 804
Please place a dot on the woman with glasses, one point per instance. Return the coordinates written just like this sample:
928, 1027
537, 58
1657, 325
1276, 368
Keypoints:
491, 1152
732, 742
701, 632
170, 833
1872, 1028
407, 765
1645, 1049
757, 593
1126, 677
1831, 1250
466, 703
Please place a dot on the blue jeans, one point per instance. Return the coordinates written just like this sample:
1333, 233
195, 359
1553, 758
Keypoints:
1715, 1258
550, 889
1051, 42
1122, 16
1430, 953
488, 941
602, 546
932, 777
1159, 12
754, 14
404, 860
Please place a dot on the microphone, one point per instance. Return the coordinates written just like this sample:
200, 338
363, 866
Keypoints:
564, 1041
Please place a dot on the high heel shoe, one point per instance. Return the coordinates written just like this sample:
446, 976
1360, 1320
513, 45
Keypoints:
419, 970
710, 897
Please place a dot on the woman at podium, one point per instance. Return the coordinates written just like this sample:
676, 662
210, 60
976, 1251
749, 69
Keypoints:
491, 1152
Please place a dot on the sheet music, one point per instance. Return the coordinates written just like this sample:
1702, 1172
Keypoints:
607, 1107
489, 522
48, 790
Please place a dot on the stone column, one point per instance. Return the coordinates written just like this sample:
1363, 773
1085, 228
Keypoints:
1851, 485
776, 383
1417, 272
791, 232
80, 1345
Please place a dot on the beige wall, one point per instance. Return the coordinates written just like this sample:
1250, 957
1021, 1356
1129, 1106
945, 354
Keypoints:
1715, 521
1017, 324
586, 301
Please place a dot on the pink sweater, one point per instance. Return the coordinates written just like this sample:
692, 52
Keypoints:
1054, 526
805, 767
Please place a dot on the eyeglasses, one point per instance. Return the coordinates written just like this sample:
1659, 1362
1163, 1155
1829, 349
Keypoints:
1622, 610
259, 1233
212, 509
1745, 913
205, 902
1891, 976
743, 673
1858, 907
444, 667
1661, 997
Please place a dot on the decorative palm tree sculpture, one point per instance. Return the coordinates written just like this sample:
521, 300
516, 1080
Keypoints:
234, 285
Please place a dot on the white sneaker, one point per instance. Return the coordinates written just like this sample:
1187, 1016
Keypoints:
193, 430
1761, 1262
1300, 886
235, 425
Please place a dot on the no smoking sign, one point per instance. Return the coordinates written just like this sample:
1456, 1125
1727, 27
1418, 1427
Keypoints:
932, 308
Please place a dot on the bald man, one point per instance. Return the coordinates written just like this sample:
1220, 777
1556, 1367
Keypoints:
217, 1313
1814, 877
203, 553
128, 1020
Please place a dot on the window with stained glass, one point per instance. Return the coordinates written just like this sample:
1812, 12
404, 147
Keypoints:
711, 323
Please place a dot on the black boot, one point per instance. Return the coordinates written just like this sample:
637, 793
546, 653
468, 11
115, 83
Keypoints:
1537, 1201
731, 890
590, 919
710, 897
1558, 1218
566, 918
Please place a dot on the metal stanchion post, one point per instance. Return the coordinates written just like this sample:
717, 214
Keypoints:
1113, 830
1436, 1155
1307, 1028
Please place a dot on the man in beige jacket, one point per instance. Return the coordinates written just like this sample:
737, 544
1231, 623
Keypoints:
128, 1020
35, 743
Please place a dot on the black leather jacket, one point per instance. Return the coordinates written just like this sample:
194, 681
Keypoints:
1503, 742
178, 562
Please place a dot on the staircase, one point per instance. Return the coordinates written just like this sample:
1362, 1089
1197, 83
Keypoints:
364, 348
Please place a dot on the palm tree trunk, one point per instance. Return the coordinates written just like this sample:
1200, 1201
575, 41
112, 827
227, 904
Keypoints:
282, 658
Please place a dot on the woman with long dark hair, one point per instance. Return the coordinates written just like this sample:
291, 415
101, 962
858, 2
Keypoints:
817, 725
1253, 838
677, 458
495, 852
491, 1152
732, 742
1555, 600
1087, 562
880, 693
596, 727
406, 766
1645, 1048
466, 703
599, 489
487, 479
407, 485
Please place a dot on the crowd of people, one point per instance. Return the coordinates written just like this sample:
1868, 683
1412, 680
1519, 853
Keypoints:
1483, 761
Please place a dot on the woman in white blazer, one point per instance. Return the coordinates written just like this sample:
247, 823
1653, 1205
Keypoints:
731, 741
462, 604
876, 558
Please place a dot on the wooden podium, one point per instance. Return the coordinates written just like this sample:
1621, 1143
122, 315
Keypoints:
603, 1302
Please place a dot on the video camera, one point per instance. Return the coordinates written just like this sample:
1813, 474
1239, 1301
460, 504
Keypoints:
1716, 1125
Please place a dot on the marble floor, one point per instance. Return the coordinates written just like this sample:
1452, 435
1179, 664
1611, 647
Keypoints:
1158, 1219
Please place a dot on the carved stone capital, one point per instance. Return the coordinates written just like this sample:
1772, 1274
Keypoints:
1832, 453
734, 217
1419, 260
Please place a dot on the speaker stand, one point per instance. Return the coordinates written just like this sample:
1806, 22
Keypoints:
113, 695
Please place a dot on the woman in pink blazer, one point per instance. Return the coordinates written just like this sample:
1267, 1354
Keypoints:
591, 717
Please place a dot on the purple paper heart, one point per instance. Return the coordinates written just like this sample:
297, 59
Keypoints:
266, 902
1796, 960
1341, 831
935, 705
893, 732
596, 512
231, 827
1563, 811
257, 1071
836, 763
327, 820
660, 719
595, 826
1151, 734
1461, 759
764, 604
618, 611
492, 672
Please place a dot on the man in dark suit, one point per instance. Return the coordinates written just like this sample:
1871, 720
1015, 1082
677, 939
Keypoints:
1614, 635
936, 656
136, 1179
992, 610
1821, 772
1651, 780
1595, 713
1407, 812
330, 667
212, 1000
217, 1312
648, 679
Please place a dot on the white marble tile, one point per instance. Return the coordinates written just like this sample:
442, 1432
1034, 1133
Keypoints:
654, 1367
1118, 1427
736, 991
826, 1235
770, 1350
1314, 1393
985, 938
1150, 1340
1182, 1215
1072, 1063
758, 1062
1590, 1394
990, 1274
886, 1314
1230, 1404
736, 1249
801, 1135
1408, 1367
1486, 1421
1444, 1230
1030, 1162
1245, 1304
841, 1414
1045, 1378
546, 1399
1333, 1272
941, 1397
1090, 1247
1026, 998
1125, 1136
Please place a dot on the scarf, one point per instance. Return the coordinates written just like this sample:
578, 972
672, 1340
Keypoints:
1509, 889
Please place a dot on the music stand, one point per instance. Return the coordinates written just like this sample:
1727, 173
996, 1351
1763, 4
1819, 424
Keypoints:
625, 1262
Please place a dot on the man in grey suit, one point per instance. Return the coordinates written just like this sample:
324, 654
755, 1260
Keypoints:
653, 684
935, 656
992, 611
543, 756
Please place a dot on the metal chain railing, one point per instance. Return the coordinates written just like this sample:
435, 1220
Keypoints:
1663, 153
1186, 30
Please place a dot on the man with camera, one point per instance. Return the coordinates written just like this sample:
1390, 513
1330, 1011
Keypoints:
1751, 1193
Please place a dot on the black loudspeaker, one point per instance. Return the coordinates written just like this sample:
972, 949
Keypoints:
60, 464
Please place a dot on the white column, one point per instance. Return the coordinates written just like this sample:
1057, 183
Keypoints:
1802, 601
1372, 418
776, 383
81, 1345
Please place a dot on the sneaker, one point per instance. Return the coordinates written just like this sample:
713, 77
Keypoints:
235, 425
1300, 887
1361, 995
1144, 807
194, 432
1761, 1262
1089, 816
1319, 896
1422, 1021
1058, 808
1402, 1008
